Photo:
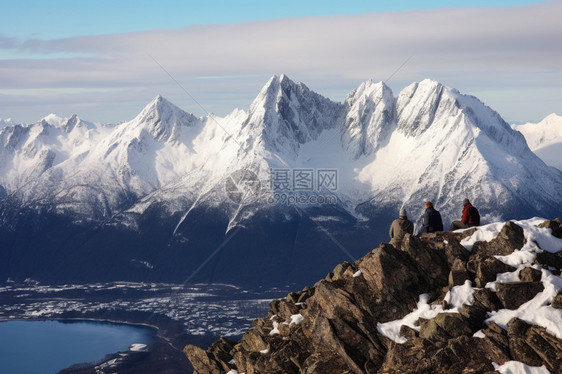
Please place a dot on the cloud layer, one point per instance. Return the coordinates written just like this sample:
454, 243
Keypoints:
506, 56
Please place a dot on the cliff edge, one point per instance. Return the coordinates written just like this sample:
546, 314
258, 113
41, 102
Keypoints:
486, 299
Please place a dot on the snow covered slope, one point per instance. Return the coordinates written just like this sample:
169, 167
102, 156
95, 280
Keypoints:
545, 139
93, 170
170, 171
430, 142
448, 145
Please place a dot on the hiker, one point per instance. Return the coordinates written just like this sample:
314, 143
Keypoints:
470, 217
399, 228
431, 219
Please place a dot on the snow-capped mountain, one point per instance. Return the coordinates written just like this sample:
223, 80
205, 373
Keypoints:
285, 115
448, 145
170, 189
7, 122
545, 139
370, 118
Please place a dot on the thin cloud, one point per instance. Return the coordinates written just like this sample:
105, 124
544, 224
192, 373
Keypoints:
459, 46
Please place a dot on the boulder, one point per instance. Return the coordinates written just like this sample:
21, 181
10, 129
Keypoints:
474, 315
514, 294
447, 245
462, 354
342, 271
519, 349
550, 261
214, 360
459, 274
496, 343
545, 348
486, 299
485, 268
529, 274
510, 238
444, 327
392, 278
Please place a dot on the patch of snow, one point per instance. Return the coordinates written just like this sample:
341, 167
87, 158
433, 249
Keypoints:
296, 319
479, 334
536, 237
482, 234
460, 295
517, 258
391, 329
357, 274
536, 311
137, 347
508, 277
456, 297
516, 367
275, 330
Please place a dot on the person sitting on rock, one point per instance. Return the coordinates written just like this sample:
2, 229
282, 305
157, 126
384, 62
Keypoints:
431, 219
399, 228
470, 217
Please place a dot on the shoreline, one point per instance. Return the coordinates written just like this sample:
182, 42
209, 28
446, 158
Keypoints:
176, 315
164, 340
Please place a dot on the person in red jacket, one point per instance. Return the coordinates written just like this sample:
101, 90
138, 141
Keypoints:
470, 217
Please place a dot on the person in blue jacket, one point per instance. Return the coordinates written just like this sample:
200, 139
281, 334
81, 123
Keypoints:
431, 220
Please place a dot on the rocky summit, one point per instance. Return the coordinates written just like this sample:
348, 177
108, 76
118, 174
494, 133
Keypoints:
447, 302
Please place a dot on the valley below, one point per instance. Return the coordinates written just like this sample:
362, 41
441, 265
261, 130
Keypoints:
179, 314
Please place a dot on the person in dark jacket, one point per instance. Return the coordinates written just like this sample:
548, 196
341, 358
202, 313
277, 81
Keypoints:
431, 220
470, 217
399, 228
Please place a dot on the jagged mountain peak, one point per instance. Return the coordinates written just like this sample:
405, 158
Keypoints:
430, 104
277, 87
286, 115
7, 122
370, 118
159, 105
369, 88
553, 118
53, 119
73, 122
162, 119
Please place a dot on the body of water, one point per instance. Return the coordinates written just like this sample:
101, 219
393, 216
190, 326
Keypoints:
45, 347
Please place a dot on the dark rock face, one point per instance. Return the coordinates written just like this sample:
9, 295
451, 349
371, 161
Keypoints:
530, 275
557, 302
333, 326
513, 295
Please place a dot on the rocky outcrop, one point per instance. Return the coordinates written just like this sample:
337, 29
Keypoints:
334, 326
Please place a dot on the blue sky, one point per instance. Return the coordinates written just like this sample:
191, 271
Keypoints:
95, 58
67, 18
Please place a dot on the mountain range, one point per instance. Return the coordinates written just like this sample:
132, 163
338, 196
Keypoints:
291, 187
